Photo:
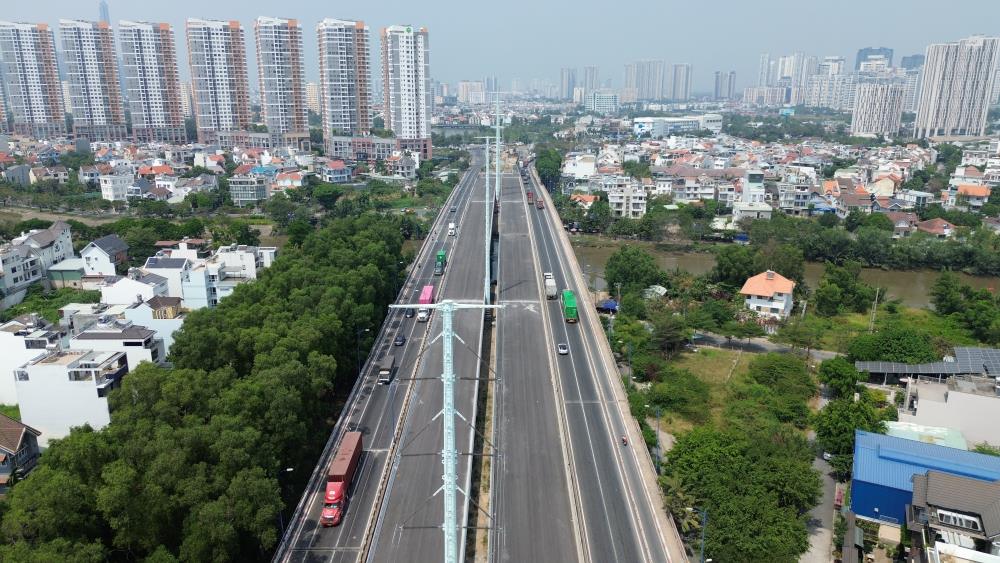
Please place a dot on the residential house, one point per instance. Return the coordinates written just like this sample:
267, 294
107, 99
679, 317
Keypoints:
115, 187
937, 227
753, 210
885, 467
916, 199
22, 339
58, 174
248, 189
903, 223
68, 273
19, 174
51, 245
173, 269
969, 197
18, 450
949, 511
138, 343
163, 315
584, 200
336, 172
402, 165
136, 286
769, 294
104, 256
64, 389
209, 281
628, 201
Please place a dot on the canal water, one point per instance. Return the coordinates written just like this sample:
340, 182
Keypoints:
912, 287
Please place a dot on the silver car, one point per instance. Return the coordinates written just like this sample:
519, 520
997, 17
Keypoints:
562, 348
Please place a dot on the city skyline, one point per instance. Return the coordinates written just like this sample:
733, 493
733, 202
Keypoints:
459, 57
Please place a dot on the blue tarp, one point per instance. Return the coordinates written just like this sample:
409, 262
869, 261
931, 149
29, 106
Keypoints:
608, 305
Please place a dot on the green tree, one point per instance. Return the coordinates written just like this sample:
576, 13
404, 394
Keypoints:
733, 265
634, 268
946, 294
669, 333
836, 423
786, 259
828, 299
893, 344
840, 376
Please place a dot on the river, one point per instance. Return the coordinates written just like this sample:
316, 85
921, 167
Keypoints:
912, 287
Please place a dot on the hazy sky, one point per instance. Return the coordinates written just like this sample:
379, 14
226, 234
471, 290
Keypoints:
533, 39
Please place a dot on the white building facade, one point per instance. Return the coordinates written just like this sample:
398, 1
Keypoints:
958, 79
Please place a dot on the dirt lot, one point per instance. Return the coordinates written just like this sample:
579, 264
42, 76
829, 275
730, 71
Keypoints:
24, 213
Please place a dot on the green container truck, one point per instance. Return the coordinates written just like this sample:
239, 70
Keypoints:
569, 306
439, 262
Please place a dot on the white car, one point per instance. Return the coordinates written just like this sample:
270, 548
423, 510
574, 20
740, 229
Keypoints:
827, 456
562, 348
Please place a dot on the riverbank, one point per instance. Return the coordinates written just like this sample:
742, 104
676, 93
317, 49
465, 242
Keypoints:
911, 287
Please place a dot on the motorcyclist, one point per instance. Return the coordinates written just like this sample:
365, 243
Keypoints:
624, 440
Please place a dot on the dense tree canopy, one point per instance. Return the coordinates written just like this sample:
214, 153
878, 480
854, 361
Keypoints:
189, 467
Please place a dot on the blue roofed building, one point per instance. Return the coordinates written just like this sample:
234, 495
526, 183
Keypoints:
884, 466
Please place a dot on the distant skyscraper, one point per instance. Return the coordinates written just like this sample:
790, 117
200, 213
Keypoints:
912, 62
831, 66
764, 70
406, 79
281, 74
725, 85
958, 80
515, 85
187, 101
680, 88
878, 109
491, 85
220, 86
67, 96
650, 80
345, 91
31, 79
92, 76
3, 113
591, 79
471, 92
152, 84
867, 52
105, 16
312, 97
567, 82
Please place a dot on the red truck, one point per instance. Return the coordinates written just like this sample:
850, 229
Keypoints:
339, 477
539, 204
531, 197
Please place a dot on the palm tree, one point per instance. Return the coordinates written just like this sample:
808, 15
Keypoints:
679, 503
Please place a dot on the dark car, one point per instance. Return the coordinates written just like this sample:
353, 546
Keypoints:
454, 208
399, 341
408, 314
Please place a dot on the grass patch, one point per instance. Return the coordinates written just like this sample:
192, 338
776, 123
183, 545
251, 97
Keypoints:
12, 411
48, 303
839, 331
712, 366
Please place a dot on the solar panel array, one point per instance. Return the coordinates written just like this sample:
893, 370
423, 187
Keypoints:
979, 361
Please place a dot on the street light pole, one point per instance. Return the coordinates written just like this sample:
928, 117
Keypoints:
357, 348
704, 524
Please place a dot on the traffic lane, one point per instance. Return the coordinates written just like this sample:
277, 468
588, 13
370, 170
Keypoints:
372, 405
531, 461
641, 506
408, 501
584, 389
518, 284
382, 403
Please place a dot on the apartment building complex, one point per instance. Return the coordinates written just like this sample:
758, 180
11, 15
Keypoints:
680, 86
345, 77
152, 83
282, 80
220, 88
31, 79
407, 88
94, 92
878, 109
958, 79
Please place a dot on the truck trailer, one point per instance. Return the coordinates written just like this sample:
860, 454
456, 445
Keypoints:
339, 477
